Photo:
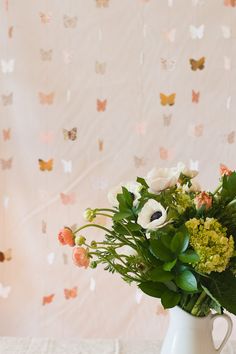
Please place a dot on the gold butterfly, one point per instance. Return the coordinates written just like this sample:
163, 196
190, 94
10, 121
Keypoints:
6, 256
7, 100
100, 145
70, 22
167, 100
231, 137
70, 134
46, 55
46, 98
45, 165
102, 3
197, 64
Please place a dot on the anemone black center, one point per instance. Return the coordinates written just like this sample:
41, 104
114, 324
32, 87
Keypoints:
132, 195
156, 215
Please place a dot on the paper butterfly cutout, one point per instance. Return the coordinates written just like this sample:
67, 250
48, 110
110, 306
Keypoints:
102, 3
67, 56
44, 227
139, 161
194, 165
45, 165
167, 100
198, 130
70, 22
92, 284
46, 55
231, 3
46, 98
226, 31
68, 199
10, 32
7, 100
6, 134
65, 258
170, 35
7, 66
160, 311
51, 258
164, 153
228, 102
138, 296
67, 166
231, 137
6, 202
101, 105
196, 32
168, 64
6, 164
167, 119
141, 127
48, 299
197, 64
45, 18
70, 293
100, 68
227, 63
47, 137
4, 291
195, 96
70, 134
100, 145
6, 256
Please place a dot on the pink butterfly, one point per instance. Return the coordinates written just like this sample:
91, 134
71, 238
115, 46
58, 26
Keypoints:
6, 164
141, 127
7, 100
231, 137
195, 96
46, 98
198, 130
47, 137
6, 134
164, 153
45, 18
68, 199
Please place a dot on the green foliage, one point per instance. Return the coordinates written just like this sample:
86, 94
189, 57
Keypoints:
186, 281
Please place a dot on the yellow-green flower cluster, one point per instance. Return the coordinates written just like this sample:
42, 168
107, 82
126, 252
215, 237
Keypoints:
209, 239
183, 201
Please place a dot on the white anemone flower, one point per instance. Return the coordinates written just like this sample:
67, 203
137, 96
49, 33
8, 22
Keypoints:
133, 187
152, 216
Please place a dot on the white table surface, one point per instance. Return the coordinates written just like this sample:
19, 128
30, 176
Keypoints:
12, 345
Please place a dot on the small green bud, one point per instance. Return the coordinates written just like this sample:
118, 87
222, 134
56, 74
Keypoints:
93, 264
80, 240
94, 244
89, 214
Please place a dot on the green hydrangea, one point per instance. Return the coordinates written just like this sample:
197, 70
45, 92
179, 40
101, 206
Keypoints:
183, 201
209, 239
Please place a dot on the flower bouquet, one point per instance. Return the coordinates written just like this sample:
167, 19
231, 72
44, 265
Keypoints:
172, 239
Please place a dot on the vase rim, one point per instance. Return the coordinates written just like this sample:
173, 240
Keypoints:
177, 308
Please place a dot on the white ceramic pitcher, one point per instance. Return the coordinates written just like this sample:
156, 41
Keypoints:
188, 334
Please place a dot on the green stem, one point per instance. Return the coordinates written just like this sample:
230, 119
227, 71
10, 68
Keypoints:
107, 215
196, 310
217, 189
105, 209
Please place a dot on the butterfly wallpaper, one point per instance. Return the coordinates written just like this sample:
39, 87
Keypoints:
93, 93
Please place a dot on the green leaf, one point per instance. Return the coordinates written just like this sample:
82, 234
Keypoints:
169, 265
229, 186
142, 181
159, 275
133, 226
189, 257
152, 289
160, 251
180, 242
186, 281
222, 286
122, 204
170, 299
122, 215
127, 197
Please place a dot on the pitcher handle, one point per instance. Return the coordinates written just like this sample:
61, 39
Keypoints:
229, 329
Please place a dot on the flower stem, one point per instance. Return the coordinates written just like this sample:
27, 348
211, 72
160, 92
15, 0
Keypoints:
107, 215
196, 310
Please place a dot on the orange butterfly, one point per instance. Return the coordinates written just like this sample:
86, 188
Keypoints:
10, 32
101, 105
231, 3
167, 100
70, 293
70, 22
45, 18
6, 164
6, 134
46, 98
100, 145
48, 299
197, 64
7, 100
195, 96
198, 130
70, 134
102, 3
67, 199
164, 153
231, 137
6, 256
45, 165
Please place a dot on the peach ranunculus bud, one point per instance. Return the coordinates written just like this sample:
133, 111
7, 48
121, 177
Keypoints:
80, 257
203, 198
66, 237
224, 170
